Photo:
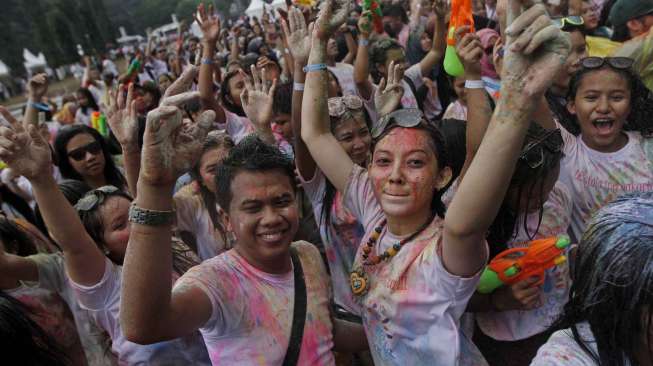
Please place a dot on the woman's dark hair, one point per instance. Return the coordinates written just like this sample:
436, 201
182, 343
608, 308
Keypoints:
112, 175
14, 239
225, 95
213, 141
505, 223
92, 103
613, 281
329, 189
283, 99
250, 155
17, 203
73, 190
23, 339
641, 98
454, 133
379, 54
438, 145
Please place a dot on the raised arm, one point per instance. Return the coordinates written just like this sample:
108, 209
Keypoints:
362, 62
479, 111
36, 89
123, 120
26, 152
436, 53
299, 43
316, 133
257, 99
536, 51
210, 25
351, 45
149, 310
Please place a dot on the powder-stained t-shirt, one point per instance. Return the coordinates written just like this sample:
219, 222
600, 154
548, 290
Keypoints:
103, 302
596, 179
252, 310
193, 217
562, 349
344, 73
411, 311
520, 324
341, 238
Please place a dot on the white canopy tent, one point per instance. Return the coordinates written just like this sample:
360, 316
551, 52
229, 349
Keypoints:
255, 8
4, 69
33, 63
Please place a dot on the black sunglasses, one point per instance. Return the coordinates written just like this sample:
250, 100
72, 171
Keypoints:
80, 153
619, 63
533, 152
95, 198
410, 117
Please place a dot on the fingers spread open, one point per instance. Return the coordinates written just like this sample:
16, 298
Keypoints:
545, 35
522, 21
8, 116
522, 41
179, 99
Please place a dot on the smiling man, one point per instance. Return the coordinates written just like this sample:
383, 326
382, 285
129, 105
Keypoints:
242, 301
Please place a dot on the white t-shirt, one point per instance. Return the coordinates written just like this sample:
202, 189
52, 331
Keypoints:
517, 324
562, 349
342, 241
344, 73
103, 302
52, 276
252, 310
596, 179
192, 216
411, 311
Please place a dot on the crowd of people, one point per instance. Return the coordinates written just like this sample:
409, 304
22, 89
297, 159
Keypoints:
313, 188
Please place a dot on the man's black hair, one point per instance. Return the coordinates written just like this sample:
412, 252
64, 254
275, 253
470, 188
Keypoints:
250, 155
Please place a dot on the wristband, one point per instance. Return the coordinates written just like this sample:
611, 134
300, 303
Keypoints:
363, 42
298, 87
143, 216
314, 67
39, 106
474, 84
207, 61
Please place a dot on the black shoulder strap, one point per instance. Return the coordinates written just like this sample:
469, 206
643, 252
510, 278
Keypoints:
299, 313
419, 97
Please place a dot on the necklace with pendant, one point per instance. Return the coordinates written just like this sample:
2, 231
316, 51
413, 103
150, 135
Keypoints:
358, 278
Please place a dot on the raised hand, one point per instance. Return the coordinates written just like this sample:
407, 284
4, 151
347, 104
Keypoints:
172, 145
297, 34
37, 87
388, 96
208, 22
470, 51
333, 14
364, 24
258, 98
441, 8
122, 118
182, 84
24, 151
536, 50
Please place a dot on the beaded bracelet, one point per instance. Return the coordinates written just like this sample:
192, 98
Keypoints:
143, 216
315, 67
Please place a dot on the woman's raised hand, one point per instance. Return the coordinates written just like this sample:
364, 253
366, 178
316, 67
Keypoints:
298, 35
536, 50
258, 98
37, 87
24, 150
123, 118
333, 14
388, 95
208, 22
469, 51
171, 144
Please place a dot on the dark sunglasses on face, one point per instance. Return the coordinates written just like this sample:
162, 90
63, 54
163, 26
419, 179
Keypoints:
533, 152
80, 153
410, 117
619, 63
95, 198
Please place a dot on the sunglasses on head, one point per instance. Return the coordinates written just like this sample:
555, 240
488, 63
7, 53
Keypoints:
619, 63
338, 106
95, 198
410, 117
533, 152
569, 21
80, 153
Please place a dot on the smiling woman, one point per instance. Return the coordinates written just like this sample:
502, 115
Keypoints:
613, 153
